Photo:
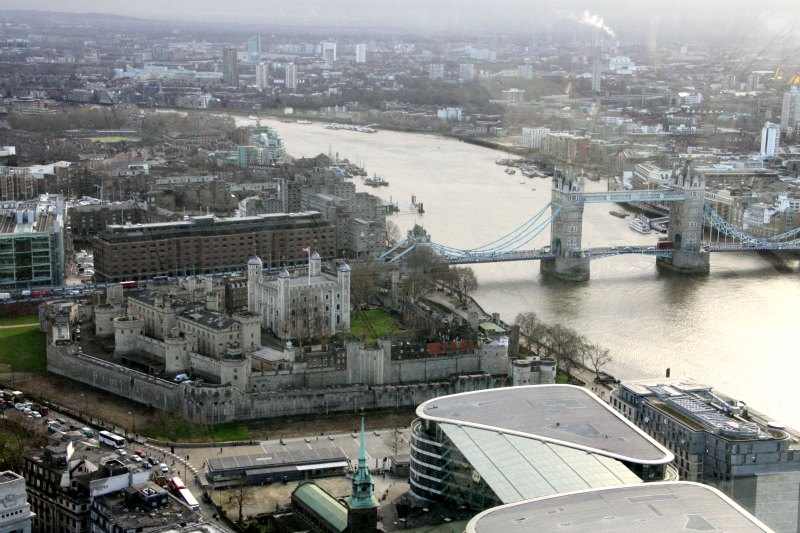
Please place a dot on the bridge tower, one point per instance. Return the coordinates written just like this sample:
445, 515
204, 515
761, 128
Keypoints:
686, 225
566, 230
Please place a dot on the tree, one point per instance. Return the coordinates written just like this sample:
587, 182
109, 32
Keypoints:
393, 234
240, 497
533, 329
424, 270
567, 346
465, 282
364, 283
598, 357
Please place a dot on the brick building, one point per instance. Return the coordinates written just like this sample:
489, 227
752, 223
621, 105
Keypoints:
208, 244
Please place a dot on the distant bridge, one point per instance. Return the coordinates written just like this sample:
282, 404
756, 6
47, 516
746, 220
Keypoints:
684, 250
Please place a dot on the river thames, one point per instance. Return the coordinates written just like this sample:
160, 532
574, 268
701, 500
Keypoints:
735, 329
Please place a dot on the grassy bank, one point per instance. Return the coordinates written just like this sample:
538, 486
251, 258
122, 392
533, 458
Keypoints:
22, 347
177, 429
373, 324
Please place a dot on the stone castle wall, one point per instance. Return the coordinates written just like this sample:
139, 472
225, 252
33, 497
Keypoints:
319, 393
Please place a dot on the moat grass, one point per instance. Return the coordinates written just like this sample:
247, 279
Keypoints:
177, 429
22, 347
24, 320
372, 324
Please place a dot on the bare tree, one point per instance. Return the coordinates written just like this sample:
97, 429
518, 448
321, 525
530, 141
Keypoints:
598, 357
364, 283
465, 281
424, 270
533, 329
393, 234
567, 346
240, 497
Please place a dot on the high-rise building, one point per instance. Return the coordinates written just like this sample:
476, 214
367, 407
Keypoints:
597, 76
262, 76
230, 67
770, 140
790, 112
291, 76
436, 71
328, 51
254, 47
534, 137
32, 242
466, 72
361, 53
525, 71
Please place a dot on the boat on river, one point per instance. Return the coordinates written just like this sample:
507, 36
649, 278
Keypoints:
640, 224
618, 214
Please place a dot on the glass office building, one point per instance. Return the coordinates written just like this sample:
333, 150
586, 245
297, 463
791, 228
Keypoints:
498, 446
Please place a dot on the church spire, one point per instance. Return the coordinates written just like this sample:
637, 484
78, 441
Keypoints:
363, 496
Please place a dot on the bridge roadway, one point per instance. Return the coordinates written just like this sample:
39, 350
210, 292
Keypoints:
632, 196
537, 255
608, 251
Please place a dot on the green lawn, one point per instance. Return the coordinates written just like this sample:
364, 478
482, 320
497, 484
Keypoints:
112, 139
17, 320
23, 347
372, 324
176, 429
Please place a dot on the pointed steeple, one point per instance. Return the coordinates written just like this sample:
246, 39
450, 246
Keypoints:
363, 496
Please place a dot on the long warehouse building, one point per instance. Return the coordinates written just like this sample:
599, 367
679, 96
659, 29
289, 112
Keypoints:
207, 244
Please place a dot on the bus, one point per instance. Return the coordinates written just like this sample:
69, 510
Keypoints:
110, 439
189, 498
176, 484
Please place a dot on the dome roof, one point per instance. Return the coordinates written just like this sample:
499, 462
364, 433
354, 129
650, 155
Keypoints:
255, 260
344, 267
315, 256
284, 274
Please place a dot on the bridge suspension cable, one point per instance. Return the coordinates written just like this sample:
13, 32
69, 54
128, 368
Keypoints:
516, 232
512, 241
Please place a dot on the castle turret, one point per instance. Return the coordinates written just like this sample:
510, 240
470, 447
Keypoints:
315, 265
362, 506
343, 277
255, 268
249, 332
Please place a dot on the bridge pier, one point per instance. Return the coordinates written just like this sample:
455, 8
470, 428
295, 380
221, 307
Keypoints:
566, 230
566, 268
683, 262
686, 226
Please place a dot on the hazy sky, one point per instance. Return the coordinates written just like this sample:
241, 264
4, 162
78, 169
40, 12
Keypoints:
515, 15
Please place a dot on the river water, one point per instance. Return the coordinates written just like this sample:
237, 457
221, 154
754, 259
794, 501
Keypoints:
735, 329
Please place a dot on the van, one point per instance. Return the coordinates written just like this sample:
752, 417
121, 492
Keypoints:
164, 468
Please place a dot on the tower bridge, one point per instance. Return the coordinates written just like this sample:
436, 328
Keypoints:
565, 258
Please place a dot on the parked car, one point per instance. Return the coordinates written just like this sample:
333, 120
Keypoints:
164, 468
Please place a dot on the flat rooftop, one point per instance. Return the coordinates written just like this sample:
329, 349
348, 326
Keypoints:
643, 387
663, 507
292, 454
560, 414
